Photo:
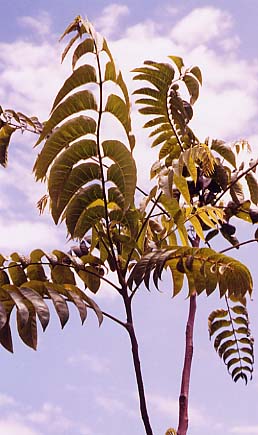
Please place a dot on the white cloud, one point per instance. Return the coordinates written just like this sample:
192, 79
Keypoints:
229, 44
245, 429
6, 400
108, 22
225, 85
52, 416
26, 78
201, 26
84, 430
49, 418
169, 407
12, 427
41, 24
172, 10
24, 235
113, 406
94, 363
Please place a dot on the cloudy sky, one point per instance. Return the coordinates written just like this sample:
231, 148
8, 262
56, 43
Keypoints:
80, 381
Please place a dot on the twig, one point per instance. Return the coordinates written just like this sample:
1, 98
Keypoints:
237, 245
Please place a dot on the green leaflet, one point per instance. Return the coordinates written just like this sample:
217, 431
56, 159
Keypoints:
105, 48
236, 191
59, 303
110, 71
62, 275
163, 137
253, 187
123, 173
17, 274
197, 226
182, 186
78, 102
87, 46
81, 76
39, 305
90, 278
178, 61
192, 86
36, 272
121, 83
197, 73
6, 132
224, 150
60, 139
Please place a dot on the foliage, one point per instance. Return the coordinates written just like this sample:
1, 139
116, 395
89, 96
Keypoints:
233, 341
25, 286
91, 182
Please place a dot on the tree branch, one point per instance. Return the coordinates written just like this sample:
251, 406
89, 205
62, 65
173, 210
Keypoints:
137, 365
184, 394
47, 263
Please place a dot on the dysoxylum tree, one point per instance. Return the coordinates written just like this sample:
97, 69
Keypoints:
91, 181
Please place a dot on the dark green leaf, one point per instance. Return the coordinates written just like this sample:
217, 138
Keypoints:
253, 187
60, 305
197, 73
87, 46
40, 306
224, 150
6, 132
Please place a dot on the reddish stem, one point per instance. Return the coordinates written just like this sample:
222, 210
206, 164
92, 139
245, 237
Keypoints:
184, 394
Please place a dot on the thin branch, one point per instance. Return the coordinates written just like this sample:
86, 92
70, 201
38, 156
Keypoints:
115, 319
184, 394
22, 128
238, 245
109, 316
46, 263
153, 201
134, 291
142, 228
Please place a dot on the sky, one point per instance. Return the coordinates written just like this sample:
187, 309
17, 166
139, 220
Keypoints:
80, 381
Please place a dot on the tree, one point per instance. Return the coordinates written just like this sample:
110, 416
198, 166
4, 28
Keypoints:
92, 186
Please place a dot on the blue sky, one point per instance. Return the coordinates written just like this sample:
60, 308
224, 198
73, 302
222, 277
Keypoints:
80, 381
